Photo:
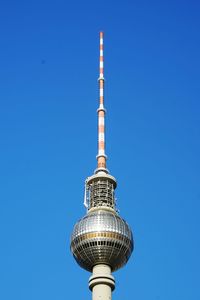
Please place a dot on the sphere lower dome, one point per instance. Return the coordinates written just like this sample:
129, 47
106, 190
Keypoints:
101, 237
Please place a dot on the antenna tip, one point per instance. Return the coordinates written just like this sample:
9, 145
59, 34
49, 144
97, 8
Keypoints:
101, 34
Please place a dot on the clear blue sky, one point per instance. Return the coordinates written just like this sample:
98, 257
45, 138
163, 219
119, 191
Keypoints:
48, 142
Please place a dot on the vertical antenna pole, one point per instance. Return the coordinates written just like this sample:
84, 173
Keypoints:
101, 157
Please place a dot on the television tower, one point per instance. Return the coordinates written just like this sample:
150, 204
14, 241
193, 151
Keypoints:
101, 242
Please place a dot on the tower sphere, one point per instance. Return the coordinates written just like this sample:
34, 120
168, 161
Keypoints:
101, 237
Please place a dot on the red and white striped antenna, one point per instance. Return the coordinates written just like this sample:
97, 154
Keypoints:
101, 156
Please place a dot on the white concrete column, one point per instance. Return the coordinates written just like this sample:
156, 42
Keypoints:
101, 283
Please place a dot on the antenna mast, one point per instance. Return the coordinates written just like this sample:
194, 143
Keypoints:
101, 156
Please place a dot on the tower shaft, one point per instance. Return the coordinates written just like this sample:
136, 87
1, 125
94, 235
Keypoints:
101, 283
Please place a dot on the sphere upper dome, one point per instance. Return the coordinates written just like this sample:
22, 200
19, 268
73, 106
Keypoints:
101, 237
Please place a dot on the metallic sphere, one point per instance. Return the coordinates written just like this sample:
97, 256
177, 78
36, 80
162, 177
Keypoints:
101, 237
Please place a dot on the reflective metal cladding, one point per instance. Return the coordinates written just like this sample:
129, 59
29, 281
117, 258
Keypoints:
101, 237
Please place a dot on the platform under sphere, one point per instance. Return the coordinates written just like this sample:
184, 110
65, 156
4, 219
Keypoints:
101, 237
